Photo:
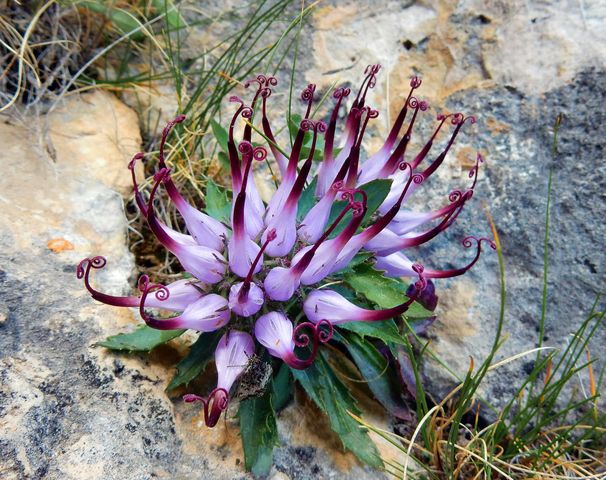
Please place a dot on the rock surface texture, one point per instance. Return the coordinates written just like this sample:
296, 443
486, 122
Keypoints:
70, 410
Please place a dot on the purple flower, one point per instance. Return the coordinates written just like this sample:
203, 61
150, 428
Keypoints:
265, 263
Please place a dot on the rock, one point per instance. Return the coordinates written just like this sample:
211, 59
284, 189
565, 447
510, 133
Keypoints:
515, 190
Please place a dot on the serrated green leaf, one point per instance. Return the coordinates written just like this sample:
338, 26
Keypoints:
218, 202
307, 200
376, 192
281, 387
220, 134
384, 291
194, 363
386, 330
332, 397
259, 433
380, 377
143, 339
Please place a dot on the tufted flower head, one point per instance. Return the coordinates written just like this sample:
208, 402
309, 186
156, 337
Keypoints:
270, 263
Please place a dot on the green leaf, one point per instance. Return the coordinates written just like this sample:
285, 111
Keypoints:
121, 19
259, 433
374, 367
386, 330
143, 339
220, 134
376, 191
195, 362
384, 291
282, 388
307, 200
218, 202
332, 396
173, 17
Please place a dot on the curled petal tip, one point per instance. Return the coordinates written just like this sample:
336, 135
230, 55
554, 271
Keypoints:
415, 82
341, 92
260, 154
308, 93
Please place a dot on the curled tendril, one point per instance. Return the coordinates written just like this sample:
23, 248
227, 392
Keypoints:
474, 170
236, 99
308, 93
372, 113
245, 147
405, 166
471, 119
145, 287
372, 69
357, 208
271, 235
421, 283
320, 127
455, 196
307, 124
272, 81
86, 264
468, 242
445, 116
260, 153
265, 92
349, 194
247, 112
338, 185
302, 340
457, 118
214, 405
418, 178
413, 102
260, 80
83, 271
133, 161
161, 174
415, 82
341, 92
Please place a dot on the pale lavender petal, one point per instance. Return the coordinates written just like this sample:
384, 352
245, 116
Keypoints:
181, 294
275, 332
313, 225
329, 305
246, 305
280, 284
231, 357
206, 315
205, 230
405, 221
204, 263
396, 265
285, 226
242, 252
254, 209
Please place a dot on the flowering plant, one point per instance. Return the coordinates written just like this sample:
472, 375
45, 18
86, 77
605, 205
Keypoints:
322, 262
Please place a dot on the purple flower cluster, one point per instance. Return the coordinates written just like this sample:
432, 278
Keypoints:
244, 272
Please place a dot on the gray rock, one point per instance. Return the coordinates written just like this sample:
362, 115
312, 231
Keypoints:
515, 190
